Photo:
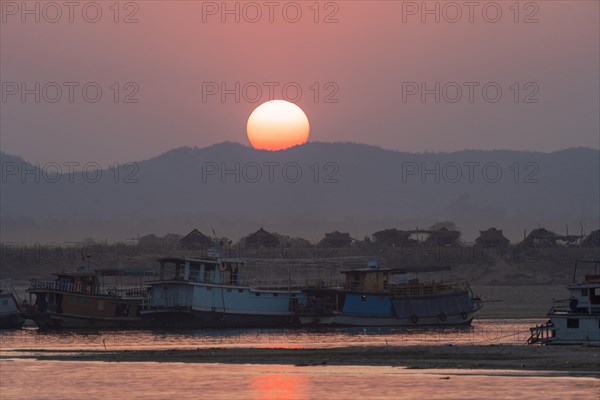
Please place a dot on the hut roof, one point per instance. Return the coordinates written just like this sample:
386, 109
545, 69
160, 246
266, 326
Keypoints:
592, 240
336, 239
262, 238
541, 237
194, 238
491, 235
392, 237
443, 236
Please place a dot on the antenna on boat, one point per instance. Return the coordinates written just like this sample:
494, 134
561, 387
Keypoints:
85, 263
217, 243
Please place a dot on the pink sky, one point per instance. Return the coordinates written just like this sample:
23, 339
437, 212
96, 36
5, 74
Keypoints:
367, 57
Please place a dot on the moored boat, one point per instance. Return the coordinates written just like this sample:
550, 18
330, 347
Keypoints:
10, 317
389, 297
211, 292
575, 320
78, 300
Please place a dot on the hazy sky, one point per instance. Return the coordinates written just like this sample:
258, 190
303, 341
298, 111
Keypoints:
372, 59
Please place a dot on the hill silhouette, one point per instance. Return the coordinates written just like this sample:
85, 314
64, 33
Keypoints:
303, 191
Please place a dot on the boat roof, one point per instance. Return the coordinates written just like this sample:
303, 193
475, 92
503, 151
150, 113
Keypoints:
403, 270
105, 272
182, 260
594, 262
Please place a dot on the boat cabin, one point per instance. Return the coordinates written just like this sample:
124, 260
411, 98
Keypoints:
375, 279
586, 294
218, 271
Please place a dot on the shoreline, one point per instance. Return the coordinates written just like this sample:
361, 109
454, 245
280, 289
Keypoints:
570, 360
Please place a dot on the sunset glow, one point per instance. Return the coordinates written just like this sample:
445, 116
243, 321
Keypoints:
277, 125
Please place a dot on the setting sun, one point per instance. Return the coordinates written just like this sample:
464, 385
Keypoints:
277, 125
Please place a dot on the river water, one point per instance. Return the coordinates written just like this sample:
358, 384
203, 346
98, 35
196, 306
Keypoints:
33, 379
482, 331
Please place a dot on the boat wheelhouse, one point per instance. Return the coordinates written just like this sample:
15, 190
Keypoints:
79, 300
390, 297
575, 320
10, 317
214, 292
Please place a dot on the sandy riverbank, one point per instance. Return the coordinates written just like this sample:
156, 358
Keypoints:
578, 360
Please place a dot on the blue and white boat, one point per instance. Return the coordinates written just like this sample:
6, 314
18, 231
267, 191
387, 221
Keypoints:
390, 297
213, 292
10, 316
575, 320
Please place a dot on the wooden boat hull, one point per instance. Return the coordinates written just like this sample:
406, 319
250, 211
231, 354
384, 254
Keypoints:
50, 320
384, 310
57, 310
340, 319
195, 319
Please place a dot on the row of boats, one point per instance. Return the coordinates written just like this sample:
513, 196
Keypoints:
210, 292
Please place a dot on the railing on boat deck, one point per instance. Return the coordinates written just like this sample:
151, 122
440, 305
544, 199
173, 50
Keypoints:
133, 293
429, 289
572, 305
561, 305
408, 290
542, 333
5, 283
325, 284
80, 288
170, 302
282, 284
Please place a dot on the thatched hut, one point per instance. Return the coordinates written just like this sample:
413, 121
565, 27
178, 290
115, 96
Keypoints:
492, 237
541, 237
592, 240
392, 237
442, 237
261, 238
336, 239
195, 240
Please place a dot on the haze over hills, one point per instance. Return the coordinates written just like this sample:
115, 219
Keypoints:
303, 191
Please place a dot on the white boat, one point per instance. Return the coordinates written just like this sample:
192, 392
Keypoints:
575, 320
212, 292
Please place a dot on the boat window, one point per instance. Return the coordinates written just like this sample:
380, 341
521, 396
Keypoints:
100, 304
257, 294
72, 300
209, 273
573, 323
195, 272
275, 294
595, 296
584, 292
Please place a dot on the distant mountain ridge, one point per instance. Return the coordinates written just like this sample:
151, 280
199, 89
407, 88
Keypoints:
303, 191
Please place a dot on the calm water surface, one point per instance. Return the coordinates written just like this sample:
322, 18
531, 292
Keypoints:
481, 332
148, 380
32, 379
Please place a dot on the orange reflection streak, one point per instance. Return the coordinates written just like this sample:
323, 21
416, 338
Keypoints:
272, 386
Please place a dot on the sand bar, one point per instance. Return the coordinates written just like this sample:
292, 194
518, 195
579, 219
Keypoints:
571, 360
